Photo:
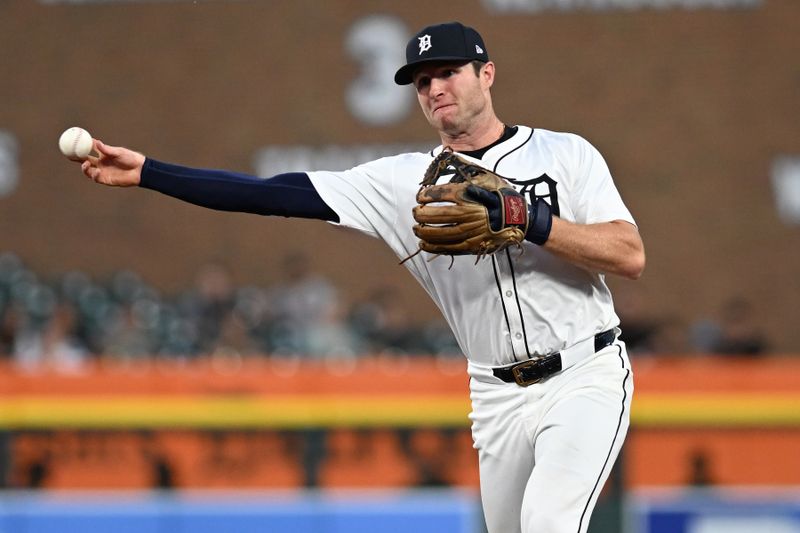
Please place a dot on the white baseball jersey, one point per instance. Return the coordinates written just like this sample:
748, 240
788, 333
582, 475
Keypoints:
515, 304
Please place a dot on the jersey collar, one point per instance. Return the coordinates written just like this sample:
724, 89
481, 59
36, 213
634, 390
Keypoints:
496, 152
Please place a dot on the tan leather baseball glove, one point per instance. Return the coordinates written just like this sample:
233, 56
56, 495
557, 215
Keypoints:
476, 212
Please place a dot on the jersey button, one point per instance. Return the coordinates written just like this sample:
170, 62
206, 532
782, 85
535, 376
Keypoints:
518, 335
509, 294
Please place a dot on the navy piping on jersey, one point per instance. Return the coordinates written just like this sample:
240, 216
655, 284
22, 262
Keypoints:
503, 302
514, 150
519, 305
613, 441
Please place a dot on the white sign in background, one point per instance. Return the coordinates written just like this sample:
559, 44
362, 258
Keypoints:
9, 163
786, 188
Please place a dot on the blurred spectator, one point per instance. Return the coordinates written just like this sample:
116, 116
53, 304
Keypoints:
303, 296
309, 318
671, 337
9, 318
209, 303
137, 321
235, 337
96, 308
331, 337
740, 333
383, 322
437, 338
387, 326
127, 338
52, 343
735, 332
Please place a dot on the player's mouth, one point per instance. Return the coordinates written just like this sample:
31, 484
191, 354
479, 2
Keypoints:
440, 107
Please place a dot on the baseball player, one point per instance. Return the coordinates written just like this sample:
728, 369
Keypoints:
551, 382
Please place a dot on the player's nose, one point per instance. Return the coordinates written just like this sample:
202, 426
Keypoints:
437, 87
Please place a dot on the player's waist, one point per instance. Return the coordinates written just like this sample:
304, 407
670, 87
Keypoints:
534, 370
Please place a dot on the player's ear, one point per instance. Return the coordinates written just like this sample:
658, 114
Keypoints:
487, 73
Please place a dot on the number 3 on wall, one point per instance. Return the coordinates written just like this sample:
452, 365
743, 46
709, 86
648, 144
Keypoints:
378, 44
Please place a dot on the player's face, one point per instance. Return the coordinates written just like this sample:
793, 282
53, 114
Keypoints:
452, 96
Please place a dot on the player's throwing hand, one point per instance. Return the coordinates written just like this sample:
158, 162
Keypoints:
115, 166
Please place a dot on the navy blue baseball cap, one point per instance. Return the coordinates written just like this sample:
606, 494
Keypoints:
451, 41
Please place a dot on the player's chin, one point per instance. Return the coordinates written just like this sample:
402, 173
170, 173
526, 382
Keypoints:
446, 124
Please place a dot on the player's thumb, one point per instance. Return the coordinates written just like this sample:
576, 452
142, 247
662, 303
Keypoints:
104, 149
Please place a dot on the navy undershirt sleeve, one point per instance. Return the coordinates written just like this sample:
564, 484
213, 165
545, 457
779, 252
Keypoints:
288, 195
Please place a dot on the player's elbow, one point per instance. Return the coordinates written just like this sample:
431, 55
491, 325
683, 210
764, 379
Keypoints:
631, 257
634, 267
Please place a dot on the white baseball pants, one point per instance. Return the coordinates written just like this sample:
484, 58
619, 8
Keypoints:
546, 450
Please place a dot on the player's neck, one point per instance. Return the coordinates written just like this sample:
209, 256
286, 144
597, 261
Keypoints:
476, 138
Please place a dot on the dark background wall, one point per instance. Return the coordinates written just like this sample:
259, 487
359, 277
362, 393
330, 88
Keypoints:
690, 107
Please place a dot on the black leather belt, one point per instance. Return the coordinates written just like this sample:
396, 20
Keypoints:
534, 370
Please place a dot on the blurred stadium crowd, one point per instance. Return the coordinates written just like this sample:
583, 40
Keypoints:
71, 320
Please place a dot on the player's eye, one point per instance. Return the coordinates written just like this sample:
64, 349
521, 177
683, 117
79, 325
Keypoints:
423, 82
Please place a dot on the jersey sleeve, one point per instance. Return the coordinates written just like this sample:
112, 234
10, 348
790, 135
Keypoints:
597, 198
362, 197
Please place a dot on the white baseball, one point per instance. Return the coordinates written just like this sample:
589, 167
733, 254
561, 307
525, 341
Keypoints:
75, 143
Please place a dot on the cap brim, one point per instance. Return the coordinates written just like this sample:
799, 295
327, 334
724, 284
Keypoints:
405, 74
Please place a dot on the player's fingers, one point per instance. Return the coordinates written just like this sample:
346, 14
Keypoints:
90, 170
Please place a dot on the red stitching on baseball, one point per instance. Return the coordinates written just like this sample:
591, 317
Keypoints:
75, 142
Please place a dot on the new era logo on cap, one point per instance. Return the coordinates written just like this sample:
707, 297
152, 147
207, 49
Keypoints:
451, 41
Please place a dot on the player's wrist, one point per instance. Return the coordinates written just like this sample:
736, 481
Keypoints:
145, 178
540, 222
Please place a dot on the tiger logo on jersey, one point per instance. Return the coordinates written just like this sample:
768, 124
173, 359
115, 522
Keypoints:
543, 187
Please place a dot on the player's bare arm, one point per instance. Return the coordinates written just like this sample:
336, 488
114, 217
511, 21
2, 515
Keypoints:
610, 247
115, 166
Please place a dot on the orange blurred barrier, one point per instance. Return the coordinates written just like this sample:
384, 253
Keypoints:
715, 420
258, 393
361, 459
216, 423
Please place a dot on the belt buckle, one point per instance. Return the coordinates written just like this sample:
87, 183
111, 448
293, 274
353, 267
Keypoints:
519, 378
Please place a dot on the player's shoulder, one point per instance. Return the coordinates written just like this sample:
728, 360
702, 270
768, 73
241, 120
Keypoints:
560, 138
405, 158
565, 145
401, 161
